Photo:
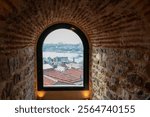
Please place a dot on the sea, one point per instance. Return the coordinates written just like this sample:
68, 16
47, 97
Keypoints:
78, 57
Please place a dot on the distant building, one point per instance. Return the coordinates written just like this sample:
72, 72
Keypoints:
50, 60
47, 66
60, 60
47, 60
60, 68
74, 65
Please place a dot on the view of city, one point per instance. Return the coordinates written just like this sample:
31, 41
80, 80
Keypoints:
62, 63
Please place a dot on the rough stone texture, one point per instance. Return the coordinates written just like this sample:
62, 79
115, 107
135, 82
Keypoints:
119, 30
17, 76
124, 76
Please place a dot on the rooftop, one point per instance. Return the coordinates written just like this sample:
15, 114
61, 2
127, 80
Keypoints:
70, 76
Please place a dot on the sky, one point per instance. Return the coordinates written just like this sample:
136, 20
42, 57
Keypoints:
64, 36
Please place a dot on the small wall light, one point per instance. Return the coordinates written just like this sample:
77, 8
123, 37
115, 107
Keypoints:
86, 95
40, 94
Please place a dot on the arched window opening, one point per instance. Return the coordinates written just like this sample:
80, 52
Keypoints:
63, 58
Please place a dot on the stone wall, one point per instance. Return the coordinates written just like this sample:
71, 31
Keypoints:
121, 73
17, 75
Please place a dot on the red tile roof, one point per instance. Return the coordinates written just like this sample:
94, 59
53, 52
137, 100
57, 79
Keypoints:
69, 76
74, 72
48, 81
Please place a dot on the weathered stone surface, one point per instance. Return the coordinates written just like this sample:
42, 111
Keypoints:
16, 78
126, 72
4, 68
7, 91
110, 67
133, 54
147, 57
18, 74
2, 86
12, 65
148, 70
109, 95
140, 93
114, 81
120, 70
135, 79
147, 86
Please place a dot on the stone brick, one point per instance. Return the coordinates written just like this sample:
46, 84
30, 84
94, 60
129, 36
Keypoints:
113, 88
4, 68
128, 65
140, 93
110, 67
103, 64
146, 57
7, 91
16, 78
109, 95
12, 64
147, 68
120, 70
147, 86
2, 86
123, 79
115, 52
18, 74
114, 81
26, 71
133, 54
135, 79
